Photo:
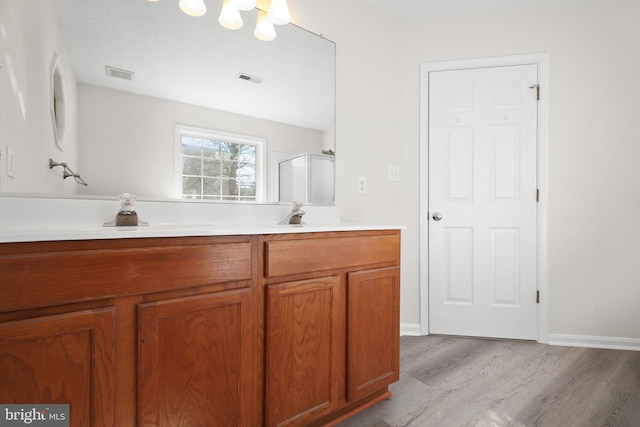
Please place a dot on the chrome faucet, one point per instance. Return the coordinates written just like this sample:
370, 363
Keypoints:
295, 216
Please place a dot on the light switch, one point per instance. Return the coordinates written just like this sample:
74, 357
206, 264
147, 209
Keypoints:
11, 166
394, 173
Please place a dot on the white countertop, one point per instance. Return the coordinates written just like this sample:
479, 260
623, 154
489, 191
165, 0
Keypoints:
52, 233
32, 219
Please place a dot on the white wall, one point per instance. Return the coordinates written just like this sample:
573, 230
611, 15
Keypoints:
29, 36
368, 120
127, 141
594, 139
594, 146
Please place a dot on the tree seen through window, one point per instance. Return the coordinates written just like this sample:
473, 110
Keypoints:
215, 169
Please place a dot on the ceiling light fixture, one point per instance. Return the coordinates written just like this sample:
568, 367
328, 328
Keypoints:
193, 7
278, 14
230, 16
244, 4
264, 28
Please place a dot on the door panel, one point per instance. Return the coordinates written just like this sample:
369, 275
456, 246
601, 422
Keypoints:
458, 253
505, 280
61, 359
459, 183
303, 341
482, 179
373, 330
505, 166
195, 361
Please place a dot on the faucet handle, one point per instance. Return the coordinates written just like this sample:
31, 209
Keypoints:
297, 206
126, 201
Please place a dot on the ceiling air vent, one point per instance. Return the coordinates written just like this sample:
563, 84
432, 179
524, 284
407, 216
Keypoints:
119, 73
250, 78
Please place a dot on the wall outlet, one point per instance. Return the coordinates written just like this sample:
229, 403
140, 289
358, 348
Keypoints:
394, 173
362, 185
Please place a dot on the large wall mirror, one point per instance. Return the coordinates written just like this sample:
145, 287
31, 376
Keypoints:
143, 70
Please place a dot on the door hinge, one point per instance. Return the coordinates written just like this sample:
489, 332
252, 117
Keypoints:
537, 88
537, 194
537, 297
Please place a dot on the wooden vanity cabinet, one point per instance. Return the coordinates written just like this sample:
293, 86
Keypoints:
288, 329
302, 352
61, 359
373, 330
332, 324
195, 361
146, 332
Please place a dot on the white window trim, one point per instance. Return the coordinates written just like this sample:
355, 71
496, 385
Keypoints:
260, 144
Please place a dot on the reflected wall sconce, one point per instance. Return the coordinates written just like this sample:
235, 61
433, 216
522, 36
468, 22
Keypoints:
230, 17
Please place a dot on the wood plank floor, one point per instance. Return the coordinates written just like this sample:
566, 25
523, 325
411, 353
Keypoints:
453, 381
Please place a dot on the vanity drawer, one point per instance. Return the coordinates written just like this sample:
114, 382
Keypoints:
47, 274
303, 255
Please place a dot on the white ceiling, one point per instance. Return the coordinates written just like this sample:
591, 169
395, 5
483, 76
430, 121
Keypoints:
425, 10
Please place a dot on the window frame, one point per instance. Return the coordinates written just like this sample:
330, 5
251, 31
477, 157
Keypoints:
197, 132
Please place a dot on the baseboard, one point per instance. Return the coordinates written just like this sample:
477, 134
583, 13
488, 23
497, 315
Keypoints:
612, 343
411, 329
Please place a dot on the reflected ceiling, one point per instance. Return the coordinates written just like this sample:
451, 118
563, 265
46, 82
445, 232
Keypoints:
140, 36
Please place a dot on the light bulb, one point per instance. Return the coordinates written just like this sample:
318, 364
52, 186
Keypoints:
279, 12
193, 7
244, 4
230, 16
264, 28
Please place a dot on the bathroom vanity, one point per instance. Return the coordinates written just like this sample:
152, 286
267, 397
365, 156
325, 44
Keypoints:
294, 328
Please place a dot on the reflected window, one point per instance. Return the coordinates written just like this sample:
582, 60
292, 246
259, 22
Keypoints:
214, 165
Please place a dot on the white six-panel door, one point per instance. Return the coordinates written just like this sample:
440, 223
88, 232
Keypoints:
482, 194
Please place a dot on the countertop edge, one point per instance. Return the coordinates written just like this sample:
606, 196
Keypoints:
62, 233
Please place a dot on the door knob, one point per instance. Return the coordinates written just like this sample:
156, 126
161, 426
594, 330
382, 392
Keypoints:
437, 216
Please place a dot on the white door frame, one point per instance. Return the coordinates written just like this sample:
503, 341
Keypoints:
542, 61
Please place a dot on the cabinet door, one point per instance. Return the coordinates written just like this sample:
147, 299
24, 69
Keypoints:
373, 330
304, 337
61, 359
195, 361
